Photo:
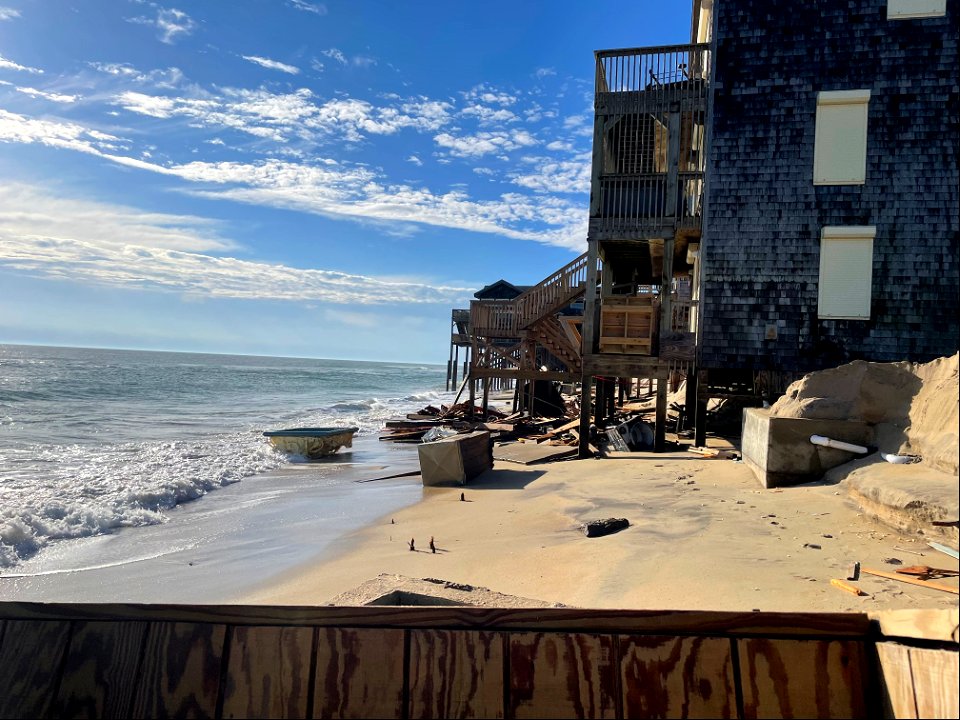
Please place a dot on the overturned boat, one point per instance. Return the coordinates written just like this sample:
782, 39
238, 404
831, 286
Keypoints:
311, 442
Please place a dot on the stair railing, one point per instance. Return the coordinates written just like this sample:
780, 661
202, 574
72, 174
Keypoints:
552, 293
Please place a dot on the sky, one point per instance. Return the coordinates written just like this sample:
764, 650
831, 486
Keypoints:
291, 177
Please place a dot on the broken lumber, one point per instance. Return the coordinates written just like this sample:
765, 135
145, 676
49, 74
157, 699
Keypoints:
912, 581
847, 586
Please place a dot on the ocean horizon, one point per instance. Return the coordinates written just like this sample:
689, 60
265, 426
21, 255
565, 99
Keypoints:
102, 442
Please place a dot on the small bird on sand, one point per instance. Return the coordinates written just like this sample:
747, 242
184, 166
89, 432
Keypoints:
433, 548
412, 546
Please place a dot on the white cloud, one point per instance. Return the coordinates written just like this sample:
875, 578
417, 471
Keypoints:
415, 160
6, 64
544, 72
487, 115
325, 187
315, 8
102, 244
8, 13
335, 54
52, 97
364, 61
272, 64
169, 77
490, 96
551, 176
560, 145
170, 23
484, 143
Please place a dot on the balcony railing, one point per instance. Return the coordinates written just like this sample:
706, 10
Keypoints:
650, 106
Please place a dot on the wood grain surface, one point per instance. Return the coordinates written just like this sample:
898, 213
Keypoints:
456, 674
896, 681
180, 674
359, 673
677, 677
935, 682
802, 678
101, 670
30, 660
562, 675
268, 672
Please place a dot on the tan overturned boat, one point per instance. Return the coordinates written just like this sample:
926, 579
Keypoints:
311, 442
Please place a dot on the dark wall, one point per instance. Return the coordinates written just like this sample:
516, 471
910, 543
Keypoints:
761, 244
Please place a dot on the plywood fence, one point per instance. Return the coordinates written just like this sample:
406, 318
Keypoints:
453, 662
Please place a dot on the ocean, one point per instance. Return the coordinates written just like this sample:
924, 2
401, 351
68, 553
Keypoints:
117, 465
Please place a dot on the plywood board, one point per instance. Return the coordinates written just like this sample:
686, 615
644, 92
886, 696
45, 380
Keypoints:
935, 682
180, 675
531, 453
802, 678
456, 674
30, 660
569, 675
359, 673
677, 677
101, 670
268, 674
896, 681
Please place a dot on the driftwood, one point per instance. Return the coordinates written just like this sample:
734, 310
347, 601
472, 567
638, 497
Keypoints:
608, 526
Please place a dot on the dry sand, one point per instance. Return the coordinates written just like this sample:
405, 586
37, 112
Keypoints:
703, 535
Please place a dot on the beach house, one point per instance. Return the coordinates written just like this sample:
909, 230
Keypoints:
781, 195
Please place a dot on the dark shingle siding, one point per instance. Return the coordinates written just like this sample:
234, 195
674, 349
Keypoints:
761, 245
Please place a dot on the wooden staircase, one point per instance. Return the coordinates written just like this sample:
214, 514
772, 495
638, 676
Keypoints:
550, 335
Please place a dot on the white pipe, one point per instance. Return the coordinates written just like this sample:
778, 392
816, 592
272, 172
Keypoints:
838, 444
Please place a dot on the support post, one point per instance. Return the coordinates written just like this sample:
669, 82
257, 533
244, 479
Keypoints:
690, 398
486, 397
472, 359
587, 344
456, 363
659, 433
703, 395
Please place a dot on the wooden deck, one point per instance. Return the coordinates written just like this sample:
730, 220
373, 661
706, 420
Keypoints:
424, 662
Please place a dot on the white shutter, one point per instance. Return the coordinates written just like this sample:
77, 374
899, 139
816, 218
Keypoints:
840, 144
905, 9
846, 273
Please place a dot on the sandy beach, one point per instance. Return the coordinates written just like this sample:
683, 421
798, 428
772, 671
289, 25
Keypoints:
703, 535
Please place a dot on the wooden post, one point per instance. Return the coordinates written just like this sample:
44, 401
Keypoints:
690, 399
673, 165
472, 359
666, 291
700, 422
456, 363
659, 434
587, 344
486, 397
450, 366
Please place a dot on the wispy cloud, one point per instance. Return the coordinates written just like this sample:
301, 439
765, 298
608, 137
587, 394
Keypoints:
335, 54
310, 7
550, 176
170, 23
272, 64
109, 245
415, 160
330, 188
8, 13
167, 78
51, 96
11, 65
543, 72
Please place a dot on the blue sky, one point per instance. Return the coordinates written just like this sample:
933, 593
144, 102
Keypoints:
286, 177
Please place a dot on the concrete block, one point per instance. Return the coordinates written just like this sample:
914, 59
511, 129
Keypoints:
779, 451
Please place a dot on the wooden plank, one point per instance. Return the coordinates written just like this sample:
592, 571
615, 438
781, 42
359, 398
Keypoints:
596, 620
925, 624
555, 675
677, 677
359, 674
532, 453
802, 678
896, 681
180, 675
913, 581
101, 670
456, 674
268, 672
30, 662
936, 682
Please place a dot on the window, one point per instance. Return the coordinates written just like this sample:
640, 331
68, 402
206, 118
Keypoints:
846, 273
840, 144
905, 9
